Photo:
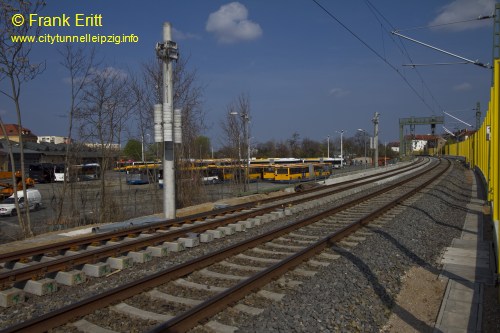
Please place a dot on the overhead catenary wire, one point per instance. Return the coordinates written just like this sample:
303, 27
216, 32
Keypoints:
463, 113
448, 131
463, 122
401, 46
479, 18
377, 54
474, 62
438, 64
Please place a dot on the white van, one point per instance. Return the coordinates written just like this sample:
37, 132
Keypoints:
8, 206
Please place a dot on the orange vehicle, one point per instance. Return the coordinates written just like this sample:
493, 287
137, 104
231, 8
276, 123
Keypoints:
7, 189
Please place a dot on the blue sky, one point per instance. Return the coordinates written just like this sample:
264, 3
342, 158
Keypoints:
303, 71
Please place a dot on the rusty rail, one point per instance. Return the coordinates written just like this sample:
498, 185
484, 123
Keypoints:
181, 323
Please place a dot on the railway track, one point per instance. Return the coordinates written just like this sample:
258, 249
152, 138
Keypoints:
70, 257
235, 271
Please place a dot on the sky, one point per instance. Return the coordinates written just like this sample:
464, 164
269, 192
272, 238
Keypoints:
306, 68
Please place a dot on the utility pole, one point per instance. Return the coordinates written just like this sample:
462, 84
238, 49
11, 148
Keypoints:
164, 121
385, 153
328, 147
496, 34
375, 138
478, 116
142, 148
341, 148
246, 118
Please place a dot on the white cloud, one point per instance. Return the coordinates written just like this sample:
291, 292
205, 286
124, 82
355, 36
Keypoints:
230, 24
338, 92
463, 86
462, 10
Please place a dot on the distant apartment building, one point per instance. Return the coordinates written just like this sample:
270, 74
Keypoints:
12, 131
52, 139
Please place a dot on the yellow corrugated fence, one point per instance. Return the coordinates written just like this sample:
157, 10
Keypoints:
481, 151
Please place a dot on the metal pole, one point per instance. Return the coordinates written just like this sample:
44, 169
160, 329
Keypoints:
328, 146
364, 138
239, 147
142, 148
375, 138
385, 154
443, 51
247, 174
341, 150
168, 115
478, 116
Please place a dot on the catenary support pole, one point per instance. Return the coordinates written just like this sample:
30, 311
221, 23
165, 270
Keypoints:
375, 138
167, 51
168, 110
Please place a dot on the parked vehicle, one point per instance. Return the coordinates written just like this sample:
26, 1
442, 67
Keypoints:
7, 189
42, 172
34, 202
59, 172
142, 174
77, 173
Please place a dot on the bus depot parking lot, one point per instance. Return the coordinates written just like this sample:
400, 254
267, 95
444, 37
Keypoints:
127, 201
82, 201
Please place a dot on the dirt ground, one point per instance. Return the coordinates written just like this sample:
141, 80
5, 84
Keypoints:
420, 296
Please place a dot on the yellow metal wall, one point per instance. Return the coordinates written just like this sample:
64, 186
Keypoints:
484, 154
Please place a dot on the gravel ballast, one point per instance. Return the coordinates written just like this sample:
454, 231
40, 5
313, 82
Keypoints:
357, 292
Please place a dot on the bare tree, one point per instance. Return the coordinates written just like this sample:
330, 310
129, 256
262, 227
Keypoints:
311, 148
187, 96
233, 125
78, 62
231, 132
16, 68
294, 143
145, 90
282, 150
236, 129
106, 106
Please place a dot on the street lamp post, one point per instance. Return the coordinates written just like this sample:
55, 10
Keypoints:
375, 139
142, 148
239, 147
328, 147
364, 139
142, 145
385, 154
341, 149
246, 119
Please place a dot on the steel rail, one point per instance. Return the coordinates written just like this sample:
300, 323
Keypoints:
219, 302
77, 243
64, 315
40, 269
